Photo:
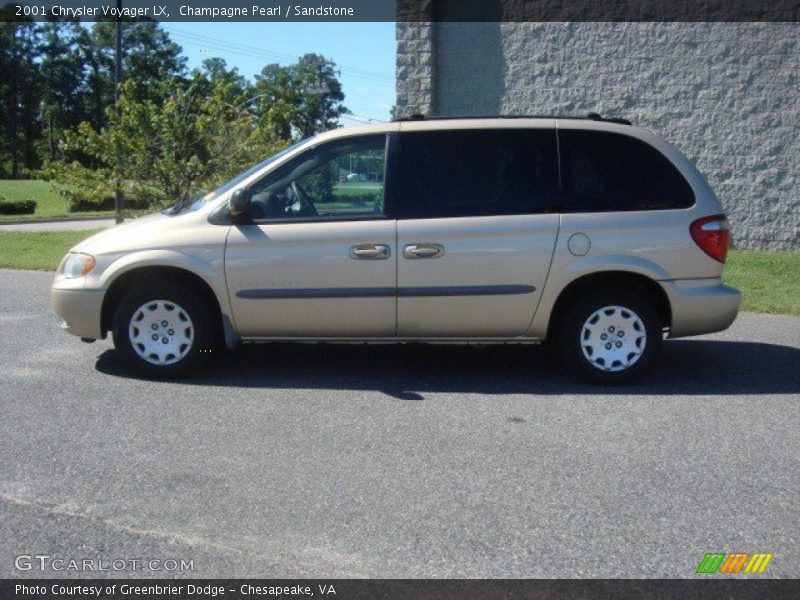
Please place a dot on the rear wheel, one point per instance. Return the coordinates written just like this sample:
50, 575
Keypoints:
610, 337
162, 330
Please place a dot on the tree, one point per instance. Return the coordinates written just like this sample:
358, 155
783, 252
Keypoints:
299, 100
19, 95
58, 74
97, 90
169, 136
150, 58
163, 152
61, 72
214, 72
321, 96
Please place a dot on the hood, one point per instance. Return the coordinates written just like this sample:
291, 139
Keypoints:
130, 235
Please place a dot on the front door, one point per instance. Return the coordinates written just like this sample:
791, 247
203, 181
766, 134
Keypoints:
477, 226
319, 259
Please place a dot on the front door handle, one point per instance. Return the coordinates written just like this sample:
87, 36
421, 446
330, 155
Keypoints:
423, 251
370, 252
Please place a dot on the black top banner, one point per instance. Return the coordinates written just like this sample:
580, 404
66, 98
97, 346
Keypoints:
404, 10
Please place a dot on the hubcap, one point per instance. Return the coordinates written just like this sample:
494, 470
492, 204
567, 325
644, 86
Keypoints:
613, 338
161, 332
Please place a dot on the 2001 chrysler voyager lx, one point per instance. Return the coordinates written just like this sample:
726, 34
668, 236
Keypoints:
588, 233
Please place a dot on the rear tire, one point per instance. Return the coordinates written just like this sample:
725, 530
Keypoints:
610, 337
163, 331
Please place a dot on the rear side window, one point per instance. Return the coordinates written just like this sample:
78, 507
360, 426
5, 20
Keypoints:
483, 172
605, 171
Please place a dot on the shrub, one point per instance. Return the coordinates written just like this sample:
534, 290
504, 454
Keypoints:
17, 207
86, 203
365, 199
97, 193
82, 203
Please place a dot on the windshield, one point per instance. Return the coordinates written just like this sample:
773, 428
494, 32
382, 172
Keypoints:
199, 201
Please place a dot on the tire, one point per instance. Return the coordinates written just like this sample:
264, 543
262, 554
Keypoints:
622, 319
163, 330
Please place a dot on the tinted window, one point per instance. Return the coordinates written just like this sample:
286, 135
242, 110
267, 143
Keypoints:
342, 179
477, 172
609, 171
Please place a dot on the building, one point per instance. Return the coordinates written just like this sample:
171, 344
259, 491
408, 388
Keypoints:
726, 94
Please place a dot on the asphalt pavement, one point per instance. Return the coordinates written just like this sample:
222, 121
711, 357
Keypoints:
394, 461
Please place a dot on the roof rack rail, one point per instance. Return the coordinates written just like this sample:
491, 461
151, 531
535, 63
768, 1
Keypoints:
593, 116
414, 117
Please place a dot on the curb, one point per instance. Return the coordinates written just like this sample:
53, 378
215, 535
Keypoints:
58, 220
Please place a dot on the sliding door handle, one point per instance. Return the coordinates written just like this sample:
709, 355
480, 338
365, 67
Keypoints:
423, 251
370, 252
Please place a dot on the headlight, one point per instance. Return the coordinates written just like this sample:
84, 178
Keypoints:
77, 265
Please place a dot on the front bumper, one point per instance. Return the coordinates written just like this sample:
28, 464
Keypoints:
701, 306
79, 311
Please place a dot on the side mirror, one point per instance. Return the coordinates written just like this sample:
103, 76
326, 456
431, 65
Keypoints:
239, 206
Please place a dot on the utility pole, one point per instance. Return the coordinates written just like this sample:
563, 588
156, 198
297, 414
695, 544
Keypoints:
117, 83
15, 102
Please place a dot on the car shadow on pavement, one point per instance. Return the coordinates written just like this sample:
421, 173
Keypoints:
407, 372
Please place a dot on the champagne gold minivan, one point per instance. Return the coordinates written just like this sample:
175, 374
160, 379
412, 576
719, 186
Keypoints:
590, 234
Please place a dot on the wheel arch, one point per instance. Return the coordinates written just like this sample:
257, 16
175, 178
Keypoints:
627, 280
137, 275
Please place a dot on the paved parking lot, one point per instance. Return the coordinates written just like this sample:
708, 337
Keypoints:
381, 461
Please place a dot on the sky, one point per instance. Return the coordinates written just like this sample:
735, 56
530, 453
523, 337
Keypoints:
364, 53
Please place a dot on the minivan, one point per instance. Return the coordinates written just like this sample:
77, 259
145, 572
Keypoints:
589, 234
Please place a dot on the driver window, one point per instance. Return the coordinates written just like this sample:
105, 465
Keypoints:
342, 179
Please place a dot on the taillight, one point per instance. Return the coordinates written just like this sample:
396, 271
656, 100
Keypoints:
712, 235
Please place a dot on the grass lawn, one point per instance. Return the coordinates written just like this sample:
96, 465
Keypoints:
41, 251
770, 281
49, 203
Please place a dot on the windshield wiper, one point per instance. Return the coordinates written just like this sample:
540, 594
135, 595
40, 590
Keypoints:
181, 205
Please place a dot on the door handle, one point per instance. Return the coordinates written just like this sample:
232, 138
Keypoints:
423, 251
370, 252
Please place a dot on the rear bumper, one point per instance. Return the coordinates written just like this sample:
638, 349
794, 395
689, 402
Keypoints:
79, 311
701, 306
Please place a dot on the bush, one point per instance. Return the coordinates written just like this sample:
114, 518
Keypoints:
80, 203
17, 207
101, 197
94, 190
365, 199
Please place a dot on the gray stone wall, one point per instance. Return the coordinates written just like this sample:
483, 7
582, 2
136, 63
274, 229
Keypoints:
415, 67
726, 94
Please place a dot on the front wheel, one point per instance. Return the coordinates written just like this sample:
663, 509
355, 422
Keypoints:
610, 337
162, 330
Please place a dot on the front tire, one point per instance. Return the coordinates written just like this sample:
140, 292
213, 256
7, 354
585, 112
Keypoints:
163, 331
610, 337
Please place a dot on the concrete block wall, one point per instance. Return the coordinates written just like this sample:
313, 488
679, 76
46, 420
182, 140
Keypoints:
726, 94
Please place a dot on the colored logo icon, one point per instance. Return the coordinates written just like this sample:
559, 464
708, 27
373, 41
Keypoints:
735, 562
